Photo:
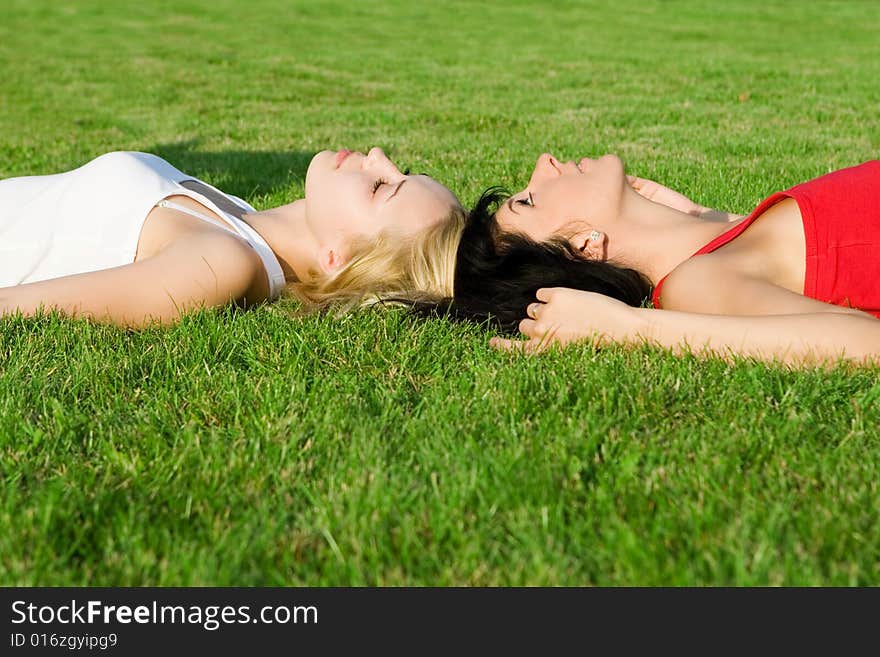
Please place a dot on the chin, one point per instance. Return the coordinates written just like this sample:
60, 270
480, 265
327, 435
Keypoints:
612, 168
322, 160
320, 165
611, 161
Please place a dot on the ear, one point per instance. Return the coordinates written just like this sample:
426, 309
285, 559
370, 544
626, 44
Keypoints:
591, 243
332, 260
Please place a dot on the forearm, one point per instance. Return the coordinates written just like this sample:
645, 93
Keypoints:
23, 302
155, 290
816, 338
12, 302
130, 312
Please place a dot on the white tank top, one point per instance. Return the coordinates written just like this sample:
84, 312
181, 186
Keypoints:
91, 218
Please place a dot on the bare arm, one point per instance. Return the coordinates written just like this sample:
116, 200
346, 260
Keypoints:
808, 332
709, 308
654, 191
802, 339
708, 214
202, 271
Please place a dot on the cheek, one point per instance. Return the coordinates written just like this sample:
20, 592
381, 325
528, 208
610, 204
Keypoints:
607, 204
569, 200
330, 207
570, 206
597, 203
343, 223
540, 225
324, 217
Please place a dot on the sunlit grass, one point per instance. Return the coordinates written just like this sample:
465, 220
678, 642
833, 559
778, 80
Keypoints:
264, 448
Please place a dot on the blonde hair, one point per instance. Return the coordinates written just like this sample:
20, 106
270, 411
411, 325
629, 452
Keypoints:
390, 269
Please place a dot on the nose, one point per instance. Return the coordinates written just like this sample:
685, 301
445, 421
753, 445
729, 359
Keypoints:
376, 159
547, 166
376, 153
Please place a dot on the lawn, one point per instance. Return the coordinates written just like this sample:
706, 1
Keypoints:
264, 448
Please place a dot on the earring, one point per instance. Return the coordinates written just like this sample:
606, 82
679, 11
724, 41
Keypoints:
595, 236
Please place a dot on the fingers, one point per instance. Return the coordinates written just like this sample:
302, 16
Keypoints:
528, 327
504, 344
540, 336
545, 294
539, 339
542, 340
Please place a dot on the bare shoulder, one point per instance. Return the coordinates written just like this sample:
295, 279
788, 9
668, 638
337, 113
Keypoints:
223, 260
761, 272
712, 284
218, 244
699, 285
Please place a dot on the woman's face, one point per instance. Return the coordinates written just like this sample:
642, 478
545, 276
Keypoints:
351, 196
564, 199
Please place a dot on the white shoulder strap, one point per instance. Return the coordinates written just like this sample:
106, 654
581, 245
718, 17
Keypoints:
165, 203
274, 273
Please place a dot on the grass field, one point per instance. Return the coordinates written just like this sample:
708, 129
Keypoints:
264, 449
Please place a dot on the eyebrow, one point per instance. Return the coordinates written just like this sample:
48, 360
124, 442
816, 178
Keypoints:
510, 205
397, 189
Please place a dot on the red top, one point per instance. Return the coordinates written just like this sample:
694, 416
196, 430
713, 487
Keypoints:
841, 215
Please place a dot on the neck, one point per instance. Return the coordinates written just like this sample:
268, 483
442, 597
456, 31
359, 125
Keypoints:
654, 239
288, 235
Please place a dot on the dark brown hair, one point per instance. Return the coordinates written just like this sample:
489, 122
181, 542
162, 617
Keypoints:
497, 273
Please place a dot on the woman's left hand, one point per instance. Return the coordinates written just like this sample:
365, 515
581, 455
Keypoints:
562, 315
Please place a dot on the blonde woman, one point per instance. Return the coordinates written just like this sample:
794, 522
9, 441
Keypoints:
131, 240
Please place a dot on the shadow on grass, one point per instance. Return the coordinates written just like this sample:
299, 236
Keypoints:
243, 173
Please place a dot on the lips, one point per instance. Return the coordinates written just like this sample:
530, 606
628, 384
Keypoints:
341, 155
584, 163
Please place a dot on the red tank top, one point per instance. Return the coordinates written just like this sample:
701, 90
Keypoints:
841, 215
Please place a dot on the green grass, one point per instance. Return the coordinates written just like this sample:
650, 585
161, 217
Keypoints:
261, 448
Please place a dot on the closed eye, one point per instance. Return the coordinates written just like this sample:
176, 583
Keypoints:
378, 184
528, 201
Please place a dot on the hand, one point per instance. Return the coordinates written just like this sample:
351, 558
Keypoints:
562, 316
654, 191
